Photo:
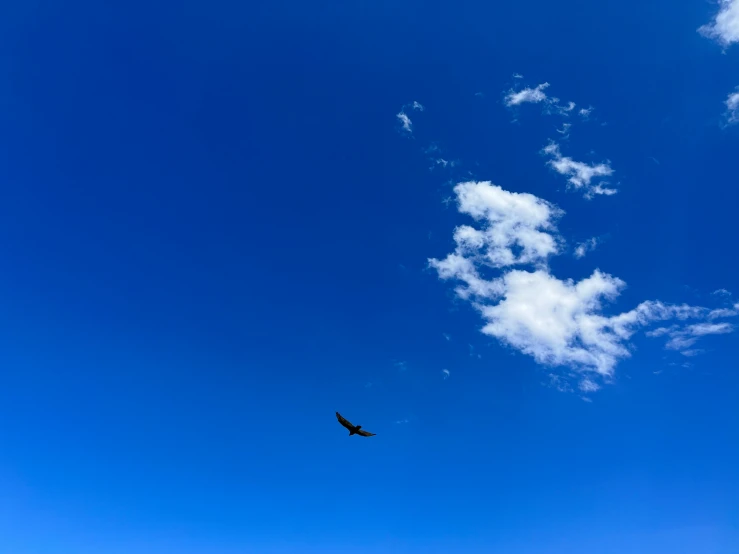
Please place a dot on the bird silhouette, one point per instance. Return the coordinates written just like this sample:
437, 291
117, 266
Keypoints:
353, 429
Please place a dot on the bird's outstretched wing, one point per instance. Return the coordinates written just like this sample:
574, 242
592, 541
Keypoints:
365, 433
345, 422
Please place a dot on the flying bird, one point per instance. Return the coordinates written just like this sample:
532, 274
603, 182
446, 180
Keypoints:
353, 429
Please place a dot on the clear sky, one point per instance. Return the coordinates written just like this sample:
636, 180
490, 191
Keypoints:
221, 222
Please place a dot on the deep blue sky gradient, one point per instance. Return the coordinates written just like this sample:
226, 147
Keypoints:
213, 236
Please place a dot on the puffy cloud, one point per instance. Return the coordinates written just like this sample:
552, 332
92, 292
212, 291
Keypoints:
581, 175
516, 228
725, 26
557, 322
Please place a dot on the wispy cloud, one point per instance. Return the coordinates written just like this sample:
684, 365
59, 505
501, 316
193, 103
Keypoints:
437, 158
401, 366
565, 130
588, 385
446, 336
683, 337
721, 292
537, 95
732, 101
402, 116
581, 174
556, 322
564, 108
444, 162
725, 26
405, 121
445, 373
722, 312
584, 247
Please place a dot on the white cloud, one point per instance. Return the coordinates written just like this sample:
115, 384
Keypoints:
721, 292
533, 95
725, 26
585, 247
447, 336
732, 102
585, 112
536, 96
682, 338
563, 109
557, 322
580, 174
445, 373
565, 129
700, 329
405, 121
516, 228
722, 312
443, 162
587, 385
560, 323
559, 383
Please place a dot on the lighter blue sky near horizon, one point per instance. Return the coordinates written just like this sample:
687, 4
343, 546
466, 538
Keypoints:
224, 221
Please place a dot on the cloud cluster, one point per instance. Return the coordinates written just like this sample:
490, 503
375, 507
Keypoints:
537, 95
515, 228
589, 178
557, 322
581, 175
725, 26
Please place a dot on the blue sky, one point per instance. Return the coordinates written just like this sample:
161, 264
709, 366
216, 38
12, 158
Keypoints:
222, 222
